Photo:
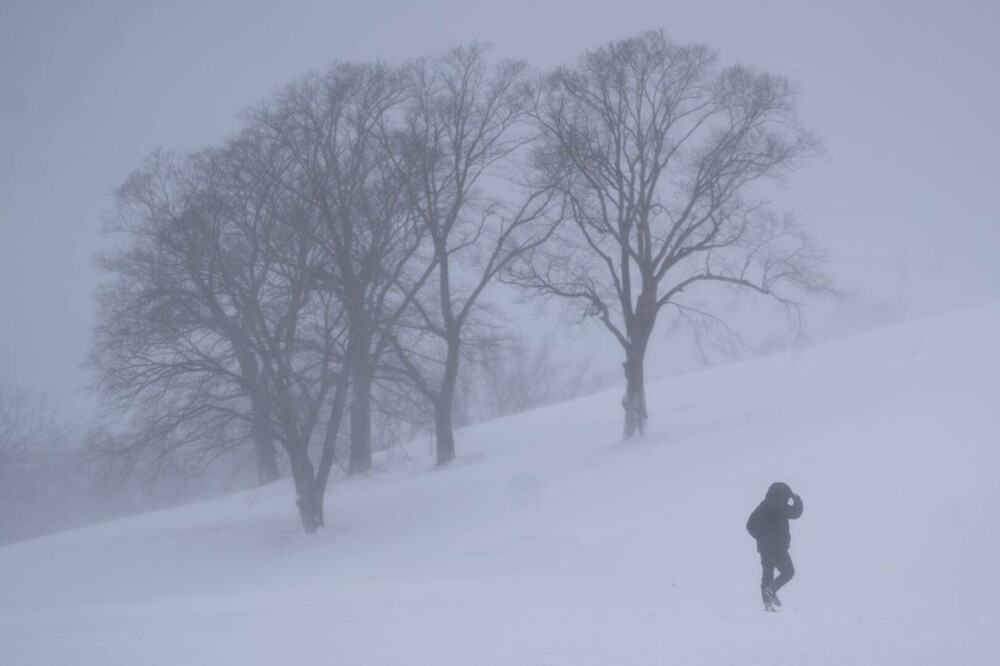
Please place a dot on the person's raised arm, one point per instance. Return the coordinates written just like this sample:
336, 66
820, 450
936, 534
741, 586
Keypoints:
795, 510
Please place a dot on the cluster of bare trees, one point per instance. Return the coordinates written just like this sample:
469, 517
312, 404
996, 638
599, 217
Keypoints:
30, 460
28, 424
331, 260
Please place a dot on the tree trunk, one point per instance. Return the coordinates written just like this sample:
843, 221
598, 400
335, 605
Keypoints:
306, 498
634, 401
443, 407
330, 444
264, 449
361, 365
361, 421
444, 431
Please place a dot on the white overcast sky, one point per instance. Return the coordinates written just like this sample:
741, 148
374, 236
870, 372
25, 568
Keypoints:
905, 95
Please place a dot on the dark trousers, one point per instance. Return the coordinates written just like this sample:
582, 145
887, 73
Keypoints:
771, 560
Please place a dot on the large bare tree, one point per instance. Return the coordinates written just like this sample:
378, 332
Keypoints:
169, 344
456, 151
296, 331
660, 156
211, 324
369, 238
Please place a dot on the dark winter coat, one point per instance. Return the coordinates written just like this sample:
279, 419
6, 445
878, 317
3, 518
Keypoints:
768, 523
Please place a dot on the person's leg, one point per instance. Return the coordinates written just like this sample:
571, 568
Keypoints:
786, 570
767, 575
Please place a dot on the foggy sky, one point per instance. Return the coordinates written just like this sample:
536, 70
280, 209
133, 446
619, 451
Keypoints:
905, 95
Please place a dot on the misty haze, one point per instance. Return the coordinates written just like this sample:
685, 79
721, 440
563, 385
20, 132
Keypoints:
515, 333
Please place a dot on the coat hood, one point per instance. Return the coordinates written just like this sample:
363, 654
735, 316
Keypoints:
778, 493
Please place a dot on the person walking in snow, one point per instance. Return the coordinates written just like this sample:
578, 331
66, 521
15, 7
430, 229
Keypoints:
768, 524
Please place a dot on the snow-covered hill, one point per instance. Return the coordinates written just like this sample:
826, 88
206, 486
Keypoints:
550, 543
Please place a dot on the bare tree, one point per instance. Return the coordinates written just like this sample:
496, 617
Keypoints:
169, 344
659, 156
44, 483
211, 329
257, 284
27, 423
294, 330
463, 127
368, 236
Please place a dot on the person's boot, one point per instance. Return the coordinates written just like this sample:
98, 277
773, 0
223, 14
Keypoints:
769, 600
774, 598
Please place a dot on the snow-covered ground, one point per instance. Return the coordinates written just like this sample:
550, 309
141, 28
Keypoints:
549, 542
